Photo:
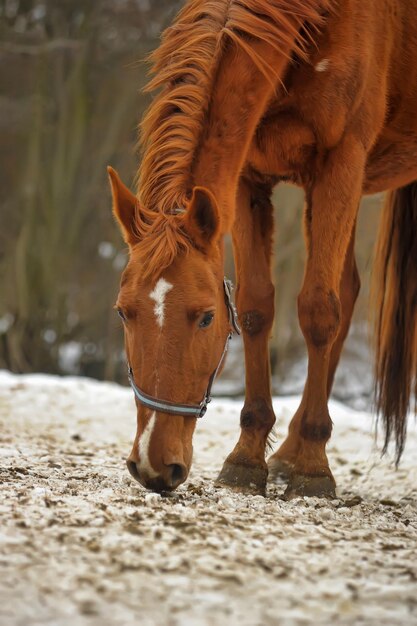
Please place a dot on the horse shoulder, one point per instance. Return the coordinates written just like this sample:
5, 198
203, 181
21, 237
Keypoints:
341, 89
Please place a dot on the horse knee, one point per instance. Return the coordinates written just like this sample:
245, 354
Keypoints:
255, 321
256, 314
319, 312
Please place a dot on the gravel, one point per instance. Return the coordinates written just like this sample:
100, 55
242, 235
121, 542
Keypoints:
82, 544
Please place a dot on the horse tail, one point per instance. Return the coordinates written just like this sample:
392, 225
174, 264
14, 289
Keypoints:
396, 314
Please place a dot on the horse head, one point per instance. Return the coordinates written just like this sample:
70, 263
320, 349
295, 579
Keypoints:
176, 326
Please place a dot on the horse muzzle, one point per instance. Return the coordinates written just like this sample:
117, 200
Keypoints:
168, 479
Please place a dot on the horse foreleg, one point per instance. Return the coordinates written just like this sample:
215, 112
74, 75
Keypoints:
245, 468
333, 205
282, 462
330, 219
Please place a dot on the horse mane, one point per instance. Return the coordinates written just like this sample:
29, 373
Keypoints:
162, 238
184, 70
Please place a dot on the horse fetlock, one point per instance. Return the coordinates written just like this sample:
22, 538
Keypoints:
319, 431
257, 415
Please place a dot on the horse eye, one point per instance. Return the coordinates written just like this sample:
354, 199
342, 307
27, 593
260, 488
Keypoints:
207, 320
121, 314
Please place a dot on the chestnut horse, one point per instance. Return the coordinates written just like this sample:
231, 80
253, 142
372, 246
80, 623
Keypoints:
322, 93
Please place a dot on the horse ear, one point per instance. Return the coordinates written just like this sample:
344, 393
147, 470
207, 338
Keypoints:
202, 220
124, 207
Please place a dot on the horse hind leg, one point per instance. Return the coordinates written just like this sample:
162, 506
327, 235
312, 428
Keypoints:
245, 468
349, 290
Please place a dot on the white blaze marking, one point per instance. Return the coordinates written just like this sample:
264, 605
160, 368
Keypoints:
159, 294
322, 66
143, 448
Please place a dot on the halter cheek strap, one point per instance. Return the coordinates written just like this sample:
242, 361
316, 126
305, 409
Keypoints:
228, 288
192, 410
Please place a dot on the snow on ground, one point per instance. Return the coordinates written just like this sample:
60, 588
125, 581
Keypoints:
82, 544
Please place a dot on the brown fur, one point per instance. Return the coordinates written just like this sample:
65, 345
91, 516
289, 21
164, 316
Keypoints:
321, 93
185, 68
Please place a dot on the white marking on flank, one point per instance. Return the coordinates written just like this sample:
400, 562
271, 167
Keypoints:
143, 448
159, 294
322, 66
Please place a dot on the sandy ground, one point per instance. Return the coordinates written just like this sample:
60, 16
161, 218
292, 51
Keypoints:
81, 543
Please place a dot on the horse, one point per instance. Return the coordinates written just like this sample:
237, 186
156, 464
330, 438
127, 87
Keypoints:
249, 93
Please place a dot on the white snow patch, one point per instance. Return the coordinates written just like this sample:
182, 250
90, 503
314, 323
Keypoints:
74, 524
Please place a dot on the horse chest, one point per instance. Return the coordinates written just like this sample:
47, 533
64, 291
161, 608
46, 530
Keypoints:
295, 133
284, 147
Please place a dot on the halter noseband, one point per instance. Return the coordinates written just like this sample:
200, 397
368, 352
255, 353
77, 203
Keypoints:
192, 410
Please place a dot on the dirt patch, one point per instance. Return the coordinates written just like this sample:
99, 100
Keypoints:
80, 543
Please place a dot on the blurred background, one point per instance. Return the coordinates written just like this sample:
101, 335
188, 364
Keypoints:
71, 73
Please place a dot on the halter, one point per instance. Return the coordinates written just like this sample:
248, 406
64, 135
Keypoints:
192, 410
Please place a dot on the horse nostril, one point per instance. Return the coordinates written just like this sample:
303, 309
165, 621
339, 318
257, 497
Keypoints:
133, 470
178, 473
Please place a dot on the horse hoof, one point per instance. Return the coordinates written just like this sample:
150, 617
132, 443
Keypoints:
243, 478
310, 486
279, 470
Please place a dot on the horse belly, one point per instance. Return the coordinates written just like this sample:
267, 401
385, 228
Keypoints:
392, 163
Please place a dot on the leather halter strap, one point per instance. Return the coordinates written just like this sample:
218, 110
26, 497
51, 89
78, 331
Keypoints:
192, 410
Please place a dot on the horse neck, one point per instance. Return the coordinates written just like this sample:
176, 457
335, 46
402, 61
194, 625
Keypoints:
217, 69
240, 96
